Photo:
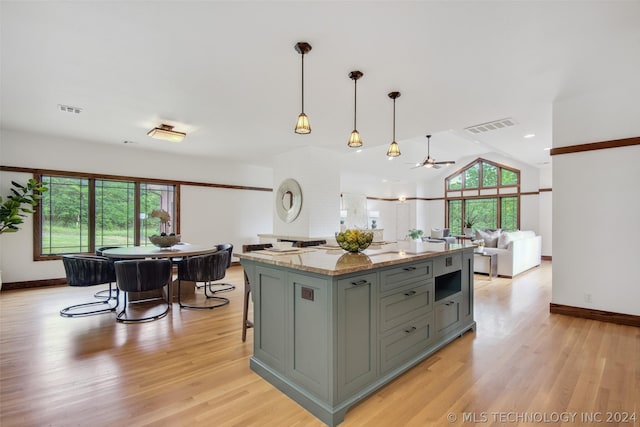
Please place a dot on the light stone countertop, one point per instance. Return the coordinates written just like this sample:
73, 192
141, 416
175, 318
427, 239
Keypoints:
335, 262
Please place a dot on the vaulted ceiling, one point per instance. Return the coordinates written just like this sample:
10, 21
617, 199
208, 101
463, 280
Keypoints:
227, 74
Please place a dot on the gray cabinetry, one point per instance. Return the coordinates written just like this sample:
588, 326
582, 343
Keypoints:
328, 341
356, 318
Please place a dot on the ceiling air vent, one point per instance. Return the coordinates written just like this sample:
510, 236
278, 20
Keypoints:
491, 126
69, 109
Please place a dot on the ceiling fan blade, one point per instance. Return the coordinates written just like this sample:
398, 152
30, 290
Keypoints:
448, 162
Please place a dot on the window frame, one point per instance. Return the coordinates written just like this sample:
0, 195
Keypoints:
498, 192
37, 219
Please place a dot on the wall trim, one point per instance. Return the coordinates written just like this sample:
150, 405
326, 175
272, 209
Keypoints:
123, 177
603, 145
546, 258
588, 313
8, 286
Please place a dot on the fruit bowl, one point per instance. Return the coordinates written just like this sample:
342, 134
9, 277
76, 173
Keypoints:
165, 241
354, 240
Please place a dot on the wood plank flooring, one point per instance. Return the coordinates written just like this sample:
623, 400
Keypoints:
192, 369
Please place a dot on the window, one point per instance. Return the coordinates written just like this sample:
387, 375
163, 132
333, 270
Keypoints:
80, 214
483, 195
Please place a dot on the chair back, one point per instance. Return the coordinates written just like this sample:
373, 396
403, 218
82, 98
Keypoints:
139, 275
304, 244
204, 268
226, 247
256, 247
88, 270
99, 251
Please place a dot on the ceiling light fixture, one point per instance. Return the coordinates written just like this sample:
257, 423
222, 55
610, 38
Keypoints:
394, 149
354, 139
302, 125
530, 135
166, 132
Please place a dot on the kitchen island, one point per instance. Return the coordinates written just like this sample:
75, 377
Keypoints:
331, 327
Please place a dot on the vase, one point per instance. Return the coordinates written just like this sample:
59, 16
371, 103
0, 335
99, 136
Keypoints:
165, 241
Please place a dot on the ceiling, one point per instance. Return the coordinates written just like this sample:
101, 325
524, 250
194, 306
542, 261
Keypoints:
227, 74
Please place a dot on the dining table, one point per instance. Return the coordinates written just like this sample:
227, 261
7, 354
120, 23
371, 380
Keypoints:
174, 253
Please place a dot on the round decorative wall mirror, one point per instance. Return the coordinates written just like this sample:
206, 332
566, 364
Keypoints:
289, 200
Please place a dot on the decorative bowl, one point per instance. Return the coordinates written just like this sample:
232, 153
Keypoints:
165, 241
354, 240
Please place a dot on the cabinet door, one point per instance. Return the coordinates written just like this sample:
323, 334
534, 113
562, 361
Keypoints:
356, 331
270, 291
467, 288
448, 315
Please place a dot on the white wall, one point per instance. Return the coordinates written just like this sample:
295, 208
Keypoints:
596, 200
208, 215
545, 211
317, 171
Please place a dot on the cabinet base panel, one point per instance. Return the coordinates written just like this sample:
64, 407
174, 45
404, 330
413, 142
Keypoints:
333, 415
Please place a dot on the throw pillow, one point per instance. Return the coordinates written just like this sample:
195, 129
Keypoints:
436, 233
490, 237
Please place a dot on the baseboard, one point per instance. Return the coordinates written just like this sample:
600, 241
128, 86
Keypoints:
546, 257
8, 286
588, 313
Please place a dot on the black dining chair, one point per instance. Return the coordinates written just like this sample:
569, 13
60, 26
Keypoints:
88, 270
246, 323
106, 293
203, 268
221, 287
141, 275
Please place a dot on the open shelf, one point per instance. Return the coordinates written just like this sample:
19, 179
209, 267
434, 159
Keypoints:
448, 284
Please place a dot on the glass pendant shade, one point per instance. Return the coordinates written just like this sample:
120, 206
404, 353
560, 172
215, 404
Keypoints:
354, 139
394, 150
302, 125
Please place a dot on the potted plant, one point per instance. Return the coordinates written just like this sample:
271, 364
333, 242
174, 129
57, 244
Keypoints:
18, 205
415, 234
469, 220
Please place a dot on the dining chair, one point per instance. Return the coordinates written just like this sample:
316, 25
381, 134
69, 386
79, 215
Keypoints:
88, 270
106, 293
204, 268
140, 275
221, 287
246, 323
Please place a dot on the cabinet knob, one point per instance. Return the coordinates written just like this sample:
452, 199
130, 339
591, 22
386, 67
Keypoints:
360, 282
411, 329
410, 293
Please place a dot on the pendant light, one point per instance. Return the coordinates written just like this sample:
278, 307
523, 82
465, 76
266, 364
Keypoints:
354, 139
394, 149
302, 125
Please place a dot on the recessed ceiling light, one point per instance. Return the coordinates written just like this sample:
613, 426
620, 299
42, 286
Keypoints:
530, 135
359, 151
547, 148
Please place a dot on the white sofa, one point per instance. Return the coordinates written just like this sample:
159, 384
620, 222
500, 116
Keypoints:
517, 251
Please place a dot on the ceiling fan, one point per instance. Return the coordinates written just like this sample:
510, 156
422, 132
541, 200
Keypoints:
430, 162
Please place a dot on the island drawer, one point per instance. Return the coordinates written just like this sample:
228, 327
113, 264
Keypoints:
405, 342
447, 263
398, 276
405, 304
448, 314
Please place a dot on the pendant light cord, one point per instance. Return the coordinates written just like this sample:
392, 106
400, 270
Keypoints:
302, 83
394, 119
355, 102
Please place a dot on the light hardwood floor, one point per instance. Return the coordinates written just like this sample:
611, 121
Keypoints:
192, 369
